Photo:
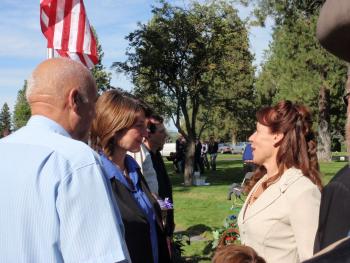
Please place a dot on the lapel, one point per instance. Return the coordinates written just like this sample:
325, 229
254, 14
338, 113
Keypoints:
271, 194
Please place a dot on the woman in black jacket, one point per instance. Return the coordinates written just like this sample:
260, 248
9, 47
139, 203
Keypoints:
119, 127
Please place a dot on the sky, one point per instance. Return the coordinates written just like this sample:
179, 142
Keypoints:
23, 45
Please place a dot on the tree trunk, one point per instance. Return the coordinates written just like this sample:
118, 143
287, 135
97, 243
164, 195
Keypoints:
324, 136
189, 162
233, 136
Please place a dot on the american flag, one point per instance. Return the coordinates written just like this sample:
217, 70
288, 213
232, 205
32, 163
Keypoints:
67, 30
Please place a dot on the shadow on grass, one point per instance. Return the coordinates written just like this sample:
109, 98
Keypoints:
192, 235
227, 172
226, 176
182, 189
195, 230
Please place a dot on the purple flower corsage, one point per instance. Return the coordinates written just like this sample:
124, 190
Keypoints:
165, 204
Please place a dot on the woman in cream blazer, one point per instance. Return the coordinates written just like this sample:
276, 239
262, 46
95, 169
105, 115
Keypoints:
280, 215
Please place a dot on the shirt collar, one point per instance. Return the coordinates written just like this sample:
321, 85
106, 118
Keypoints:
111, 169
39, 120
113, 172
131, 164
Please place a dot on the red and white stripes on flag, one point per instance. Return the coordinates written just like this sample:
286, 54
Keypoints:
67, 30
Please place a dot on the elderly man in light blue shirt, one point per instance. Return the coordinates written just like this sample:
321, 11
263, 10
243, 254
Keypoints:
55, 203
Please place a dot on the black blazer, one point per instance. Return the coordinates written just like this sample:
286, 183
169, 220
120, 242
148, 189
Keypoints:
338, 252
137, 229
334, 221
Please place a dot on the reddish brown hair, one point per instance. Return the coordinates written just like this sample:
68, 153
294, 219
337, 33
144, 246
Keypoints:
297, 148
236, 254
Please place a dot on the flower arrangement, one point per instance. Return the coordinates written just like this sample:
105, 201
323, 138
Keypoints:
229, 234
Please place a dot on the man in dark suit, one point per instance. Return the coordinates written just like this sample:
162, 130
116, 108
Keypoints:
154, 143
333, 32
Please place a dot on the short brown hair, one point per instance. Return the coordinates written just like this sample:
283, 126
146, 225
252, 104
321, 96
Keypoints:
115, 111
236, 254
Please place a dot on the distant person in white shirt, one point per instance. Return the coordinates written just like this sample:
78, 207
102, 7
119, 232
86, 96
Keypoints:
55, 202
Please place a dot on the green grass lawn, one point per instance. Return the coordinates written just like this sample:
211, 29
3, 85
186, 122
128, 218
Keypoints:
328, 170
201, 209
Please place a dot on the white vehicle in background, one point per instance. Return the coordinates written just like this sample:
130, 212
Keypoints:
224, 148
168, 148
239, 147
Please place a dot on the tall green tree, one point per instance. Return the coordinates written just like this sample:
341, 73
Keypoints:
21, 113
227, 127
185, 60
5, 120
297, 68
102, 77
282, 11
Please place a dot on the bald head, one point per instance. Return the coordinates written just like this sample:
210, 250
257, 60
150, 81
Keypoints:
64, 91
52, 80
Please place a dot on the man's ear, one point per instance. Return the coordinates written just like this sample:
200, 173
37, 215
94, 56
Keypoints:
278, 137
74, 99
148, 134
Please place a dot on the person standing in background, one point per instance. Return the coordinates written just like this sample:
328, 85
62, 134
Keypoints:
180, 153
154, 142
204, 153
198, 164
213, 147
247, 157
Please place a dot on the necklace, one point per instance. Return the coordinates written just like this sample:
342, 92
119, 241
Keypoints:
253, 197
256, 194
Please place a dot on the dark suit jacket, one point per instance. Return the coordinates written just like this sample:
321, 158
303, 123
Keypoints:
137, 229
338, 252
164, 189
334, 221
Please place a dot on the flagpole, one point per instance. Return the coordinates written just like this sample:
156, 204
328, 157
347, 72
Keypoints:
84, 50
50, 53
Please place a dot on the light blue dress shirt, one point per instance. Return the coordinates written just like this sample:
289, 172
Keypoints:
137, 192
55, 203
